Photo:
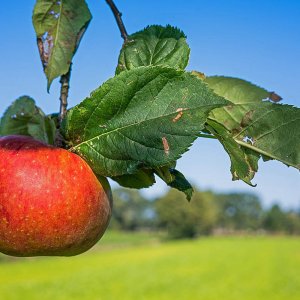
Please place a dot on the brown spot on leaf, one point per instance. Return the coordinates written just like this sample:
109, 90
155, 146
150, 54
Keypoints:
166, 145
229, 107
236, 130
247, 118
199, 75
274, 97
226, 123
179, 115
235, 176
41, 49
45, 45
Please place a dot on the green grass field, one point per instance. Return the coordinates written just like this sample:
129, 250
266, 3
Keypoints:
139, 267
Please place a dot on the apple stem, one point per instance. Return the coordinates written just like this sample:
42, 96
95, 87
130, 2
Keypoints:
118, 17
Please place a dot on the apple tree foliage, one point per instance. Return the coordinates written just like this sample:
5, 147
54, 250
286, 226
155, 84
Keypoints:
140, 122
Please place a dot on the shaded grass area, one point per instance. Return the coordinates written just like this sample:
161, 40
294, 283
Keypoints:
129, 266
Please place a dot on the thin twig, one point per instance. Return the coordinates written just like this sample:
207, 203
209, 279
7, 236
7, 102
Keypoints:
118, 17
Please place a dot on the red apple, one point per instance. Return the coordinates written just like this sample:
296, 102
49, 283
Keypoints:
51, 203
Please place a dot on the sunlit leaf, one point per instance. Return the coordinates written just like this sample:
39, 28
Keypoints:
143, 118
155, 45
238, 90
271, 130
252, 127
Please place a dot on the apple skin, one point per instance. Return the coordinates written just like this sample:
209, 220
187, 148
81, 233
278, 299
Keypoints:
51, 203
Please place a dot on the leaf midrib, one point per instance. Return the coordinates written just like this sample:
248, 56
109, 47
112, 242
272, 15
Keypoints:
254, 148
249, 146
138, 124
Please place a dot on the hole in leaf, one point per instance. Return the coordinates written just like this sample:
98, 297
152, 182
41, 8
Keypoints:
54, 14
45, 45
248, 139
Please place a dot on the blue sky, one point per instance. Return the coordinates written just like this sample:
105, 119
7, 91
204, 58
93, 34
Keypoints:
255, 40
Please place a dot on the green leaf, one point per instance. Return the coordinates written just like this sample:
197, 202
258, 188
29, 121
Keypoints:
143, 118
271, 130
143, 178
23, 117
243, 161
155, 45
251, 128
176, 180
59, 27
180, 183
238, 90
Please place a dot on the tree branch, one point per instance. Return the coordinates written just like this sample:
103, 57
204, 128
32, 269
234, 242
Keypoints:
64, 93
118, 17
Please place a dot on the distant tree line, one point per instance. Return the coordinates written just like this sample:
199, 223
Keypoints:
207, 213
